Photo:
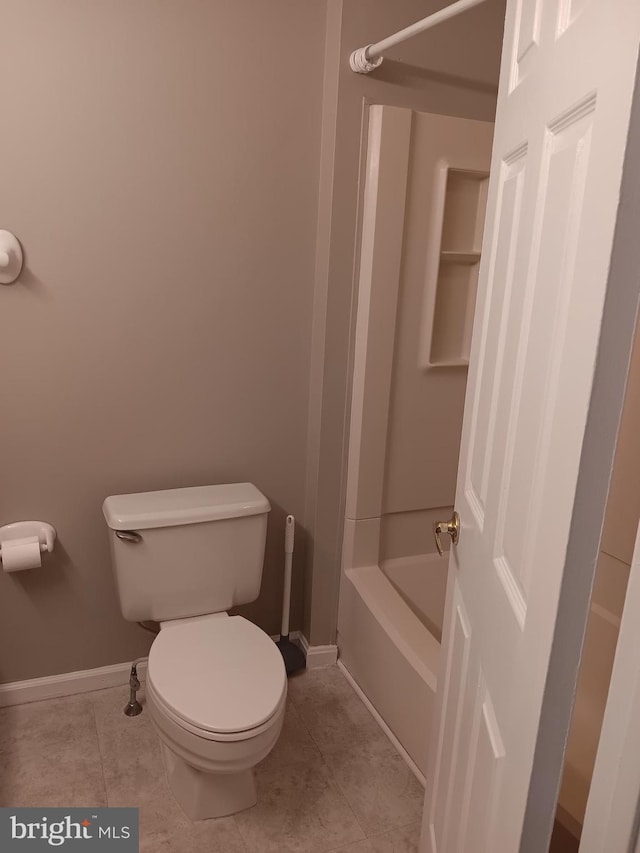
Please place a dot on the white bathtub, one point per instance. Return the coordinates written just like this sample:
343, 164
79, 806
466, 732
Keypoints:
387, 648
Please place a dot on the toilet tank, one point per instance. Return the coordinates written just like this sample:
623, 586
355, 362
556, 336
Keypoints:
185, 552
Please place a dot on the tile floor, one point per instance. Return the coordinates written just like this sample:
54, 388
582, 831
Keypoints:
562, 841
333, 781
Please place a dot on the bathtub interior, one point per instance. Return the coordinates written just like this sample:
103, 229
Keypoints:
407, 557
421, 582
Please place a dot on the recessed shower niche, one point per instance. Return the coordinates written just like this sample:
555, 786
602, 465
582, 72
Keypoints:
452, 272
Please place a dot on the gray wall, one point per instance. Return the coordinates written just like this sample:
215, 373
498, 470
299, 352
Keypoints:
159, 162
184, 179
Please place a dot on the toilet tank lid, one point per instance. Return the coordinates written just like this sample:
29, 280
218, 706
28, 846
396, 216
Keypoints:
183, 506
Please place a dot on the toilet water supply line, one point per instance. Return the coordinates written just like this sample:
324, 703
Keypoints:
366, 59
133, 707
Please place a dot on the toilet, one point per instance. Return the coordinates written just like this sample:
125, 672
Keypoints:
216, 684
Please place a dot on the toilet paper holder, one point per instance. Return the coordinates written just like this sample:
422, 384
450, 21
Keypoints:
45, 532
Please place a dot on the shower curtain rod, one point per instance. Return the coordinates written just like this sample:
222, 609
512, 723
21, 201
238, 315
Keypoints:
365, 59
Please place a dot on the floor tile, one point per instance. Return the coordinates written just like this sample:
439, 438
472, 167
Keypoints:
298, 811
405, 840
64, 778
121, 738
332, 712
49, 755
382, 791
295, 745
133, 768
42, 726
207, 836
562, 841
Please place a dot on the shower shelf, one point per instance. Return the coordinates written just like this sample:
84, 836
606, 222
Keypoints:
450, 287
459, 257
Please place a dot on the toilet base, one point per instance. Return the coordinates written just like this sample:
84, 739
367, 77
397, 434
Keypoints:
207, 795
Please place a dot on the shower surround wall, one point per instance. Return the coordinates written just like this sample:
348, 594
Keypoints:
423, 217
452, 70
160, 166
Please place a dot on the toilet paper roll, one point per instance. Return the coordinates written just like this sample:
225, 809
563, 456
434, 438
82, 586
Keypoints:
19, 554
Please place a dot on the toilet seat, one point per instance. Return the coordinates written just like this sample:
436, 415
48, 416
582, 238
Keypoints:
220, 678
206, 735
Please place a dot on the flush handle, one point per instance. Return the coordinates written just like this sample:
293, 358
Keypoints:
129, 536
452, 527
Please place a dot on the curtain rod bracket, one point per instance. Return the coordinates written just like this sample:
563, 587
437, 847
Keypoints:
360, 63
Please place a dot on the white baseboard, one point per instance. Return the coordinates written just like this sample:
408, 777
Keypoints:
318, 655
67, 684
385, 728
315, 655
84, 681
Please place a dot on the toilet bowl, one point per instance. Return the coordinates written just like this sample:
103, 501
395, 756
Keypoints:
216, 690
216, 684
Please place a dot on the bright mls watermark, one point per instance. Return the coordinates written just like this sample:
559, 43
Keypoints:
104, 830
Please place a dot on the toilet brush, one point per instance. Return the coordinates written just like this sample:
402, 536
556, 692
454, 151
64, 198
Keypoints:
293, 655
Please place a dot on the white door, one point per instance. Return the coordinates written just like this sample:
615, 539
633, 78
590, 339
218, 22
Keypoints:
567, 78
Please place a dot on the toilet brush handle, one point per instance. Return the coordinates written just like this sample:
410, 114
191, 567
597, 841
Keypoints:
289, 534
288, 566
